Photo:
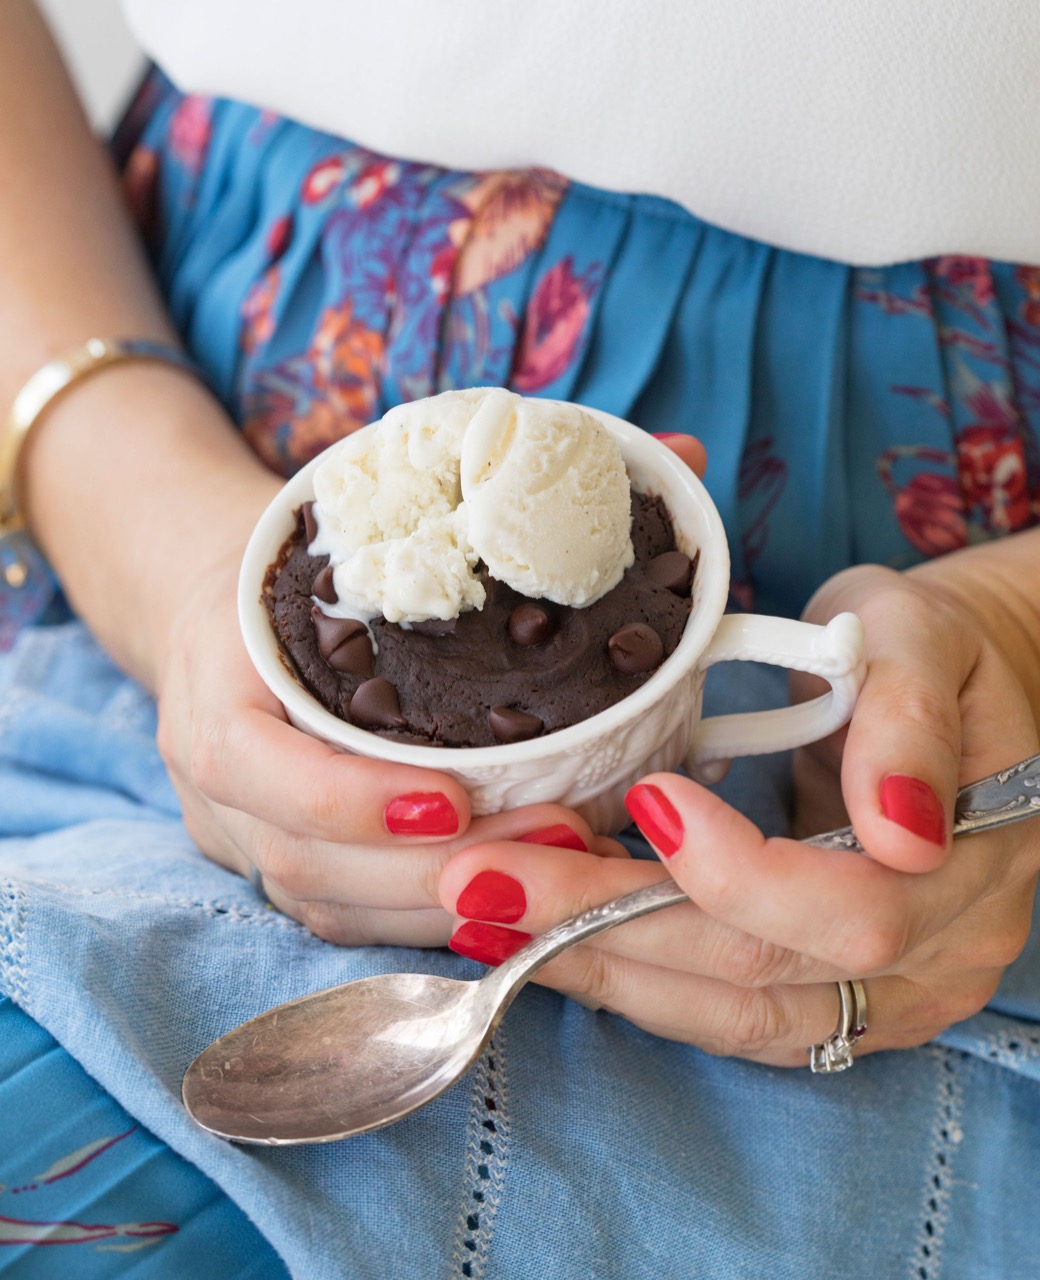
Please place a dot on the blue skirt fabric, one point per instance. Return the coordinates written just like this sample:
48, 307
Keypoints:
849, 415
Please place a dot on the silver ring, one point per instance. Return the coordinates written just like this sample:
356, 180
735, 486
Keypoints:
835, 1054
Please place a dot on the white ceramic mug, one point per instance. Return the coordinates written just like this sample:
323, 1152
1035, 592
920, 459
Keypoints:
590, 766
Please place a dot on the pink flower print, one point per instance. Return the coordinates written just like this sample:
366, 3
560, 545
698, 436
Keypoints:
763, 475
191, 127
553, 327
512, 214
374, 181
323, 178
973, 272
930, 506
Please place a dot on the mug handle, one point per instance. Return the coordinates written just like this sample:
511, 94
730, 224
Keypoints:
834, 652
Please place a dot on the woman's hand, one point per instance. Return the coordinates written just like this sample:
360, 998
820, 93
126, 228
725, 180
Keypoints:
749, 966
353, 848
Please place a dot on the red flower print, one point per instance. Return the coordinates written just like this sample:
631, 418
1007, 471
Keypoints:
930, 506
992, 470
258, 310
191, 128
60, 1231
373, 182
22, 1231
324, 178
442, 268
1029, 279
308, 402
280, 236
763, 475
553, 327
141, 187
973, 272
930, 512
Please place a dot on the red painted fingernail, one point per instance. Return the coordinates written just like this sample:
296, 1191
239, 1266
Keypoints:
668, 435
914, 805
656, 816
492, 895
488, 943
421, 813
559, 837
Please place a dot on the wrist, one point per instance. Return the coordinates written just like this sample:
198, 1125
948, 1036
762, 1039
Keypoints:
136, 485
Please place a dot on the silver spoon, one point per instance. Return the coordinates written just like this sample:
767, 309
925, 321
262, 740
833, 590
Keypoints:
365, 1054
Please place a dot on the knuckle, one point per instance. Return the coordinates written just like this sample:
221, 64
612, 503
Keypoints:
339, 923
974, 994
165, 738
208, 759
875, 948
926, 708
998, 948
757, 1024
719, 891
325, 807
594, 975
754, 962
941, 1008
280, 860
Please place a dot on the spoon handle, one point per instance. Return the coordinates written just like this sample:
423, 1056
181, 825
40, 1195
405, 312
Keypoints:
1005, 797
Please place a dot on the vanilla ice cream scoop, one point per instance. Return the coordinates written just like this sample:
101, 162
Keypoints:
547, 498
535, 489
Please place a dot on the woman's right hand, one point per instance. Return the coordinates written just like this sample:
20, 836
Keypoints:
351, 847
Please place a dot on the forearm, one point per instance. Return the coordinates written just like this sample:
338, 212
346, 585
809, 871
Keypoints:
135, 479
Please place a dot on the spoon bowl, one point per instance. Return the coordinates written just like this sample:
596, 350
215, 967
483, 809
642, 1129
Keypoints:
340, 1062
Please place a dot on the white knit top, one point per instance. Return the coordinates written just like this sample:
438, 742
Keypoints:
870, 131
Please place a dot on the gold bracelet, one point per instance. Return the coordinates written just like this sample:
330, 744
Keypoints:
39, 393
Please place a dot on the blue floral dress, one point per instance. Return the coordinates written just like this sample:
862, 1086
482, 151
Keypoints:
850, 415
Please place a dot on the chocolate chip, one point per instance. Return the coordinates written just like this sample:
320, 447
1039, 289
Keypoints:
672, 570
375, 706
635, 649
530, 624
310, 523
343, 643
509, 724
323, 586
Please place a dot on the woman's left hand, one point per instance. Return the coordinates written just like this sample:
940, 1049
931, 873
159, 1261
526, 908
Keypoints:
748, 967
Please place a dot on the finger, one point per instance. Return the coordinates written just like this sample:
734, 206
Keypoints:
902, 754
255, 761
841, 907
394, 876
688, 448
772, 1024
532, 889
352, 926
938, 708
